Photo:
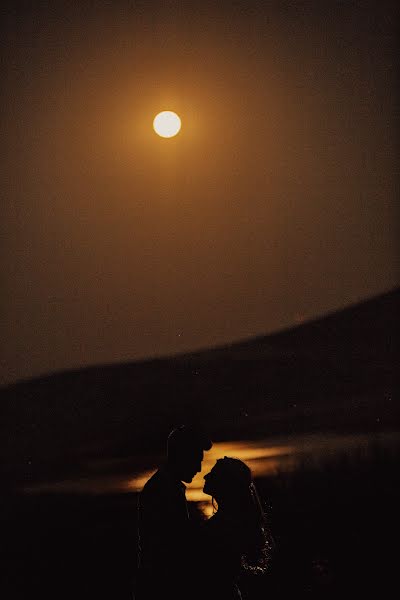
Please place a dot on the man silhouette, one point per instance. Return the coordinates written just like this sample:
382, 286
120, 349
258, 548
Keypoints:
163, 517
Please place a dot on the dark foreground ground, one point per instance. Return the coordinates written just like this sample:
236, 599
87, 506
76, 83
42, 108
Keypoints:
334, 527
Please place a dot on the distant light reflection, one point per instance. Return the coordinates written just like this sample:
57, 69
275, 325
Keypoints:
264, 457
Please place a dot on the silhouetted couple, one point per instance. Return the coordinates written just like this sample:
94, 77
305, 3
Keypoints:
179, 557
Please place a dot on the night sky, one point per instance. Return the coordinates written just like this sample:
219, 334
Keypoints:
277, 201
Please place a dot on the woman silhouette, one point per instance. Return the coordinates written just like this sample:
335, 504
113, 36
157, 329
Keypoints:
235, 538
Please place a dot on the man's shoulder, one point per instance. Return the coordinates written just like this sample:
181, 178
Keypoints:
160, 484
157, 482
153, 482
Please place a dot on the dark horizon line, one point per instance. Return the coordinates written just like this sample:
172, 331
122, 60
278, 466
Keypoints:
201, 350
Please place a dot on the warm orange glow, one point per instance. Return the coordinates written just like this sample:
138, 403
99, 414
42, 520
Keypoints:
264, 457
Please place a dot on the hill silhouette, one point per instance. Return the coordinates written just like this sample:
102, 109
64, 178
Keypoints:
335, 372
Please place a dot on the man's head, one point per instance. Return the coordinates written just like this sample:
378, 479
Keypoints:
185, 451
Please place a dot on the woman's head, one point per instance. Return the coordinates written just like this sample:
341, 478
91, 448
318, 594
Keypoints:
230, 483
228, 480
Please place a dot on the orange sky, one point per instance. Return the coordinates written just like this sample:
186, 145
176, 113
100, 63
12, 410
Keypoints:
277, 199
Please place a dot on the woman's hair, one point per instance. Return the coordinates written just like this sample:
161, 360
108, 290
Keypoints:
237, 493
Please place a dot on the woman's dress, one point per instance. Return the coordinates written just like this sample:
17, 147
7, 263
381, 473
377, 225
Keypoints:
221, 552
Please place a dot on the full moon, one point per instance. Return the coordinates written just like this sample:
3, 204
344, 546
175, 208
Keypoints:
167, 124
